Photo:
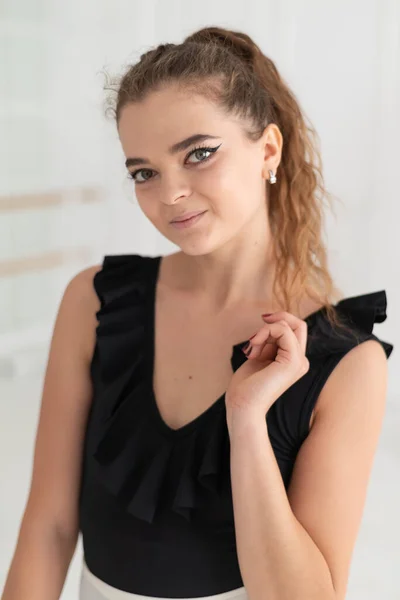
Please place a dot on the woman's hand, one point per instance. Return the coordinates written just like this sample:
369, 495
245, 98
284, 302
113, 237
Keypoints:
276, 360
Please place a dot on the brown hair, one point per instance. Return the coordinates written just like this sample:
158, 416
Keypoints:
245, 82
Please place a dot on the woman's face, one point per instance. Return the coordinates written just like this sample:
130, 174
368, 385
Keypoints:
222, 176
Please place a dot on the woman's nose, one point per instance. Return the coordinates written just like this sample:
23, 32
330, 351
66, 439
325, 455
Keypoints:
175, 191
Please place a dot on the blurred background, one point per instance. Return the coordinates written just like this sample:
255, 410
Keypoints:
65, 199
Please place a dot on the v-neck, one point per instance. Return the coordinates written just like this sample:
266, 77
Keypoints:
237, 358
134, 452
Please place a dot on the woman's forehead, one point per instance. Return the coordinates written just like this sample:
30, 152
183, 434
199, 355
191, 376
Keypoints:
163, 125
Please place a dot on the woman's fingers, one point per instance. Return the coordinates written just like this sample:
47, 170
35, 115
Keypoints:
298, 326
270, 339
282, 330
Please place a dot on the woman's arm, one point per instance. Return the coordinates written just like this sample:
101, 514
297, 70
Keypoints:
49, 528
299, 544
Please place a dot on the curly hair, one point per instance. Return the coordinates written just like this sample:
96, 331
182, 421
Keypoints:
228, 68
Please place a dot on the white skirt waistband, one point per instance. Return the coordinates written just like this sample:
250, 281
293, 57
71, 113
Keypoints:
93, 588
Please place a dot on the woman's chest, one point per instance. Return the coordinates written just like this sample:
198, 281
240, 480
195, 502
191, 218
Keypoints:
191, 367
193, 357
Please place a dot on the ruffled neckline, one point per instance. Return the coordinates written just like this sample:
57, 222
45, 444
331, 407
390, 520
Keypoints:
136, 452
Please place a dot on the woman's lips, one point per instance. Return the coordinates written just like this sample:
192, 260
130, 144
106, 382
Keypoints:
187, 222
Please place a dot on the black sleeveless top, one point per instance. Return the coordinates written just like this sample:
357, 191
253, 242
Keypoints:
155, 504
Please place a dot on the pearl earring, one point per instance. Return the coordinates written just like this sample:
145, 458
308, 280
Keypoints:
272, 178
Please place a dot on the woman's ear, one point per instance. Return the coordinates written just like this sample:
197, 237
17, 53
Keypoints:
272, 142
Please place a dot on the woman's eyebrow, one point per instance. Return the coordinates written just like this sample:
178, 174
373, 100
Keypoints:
174, 149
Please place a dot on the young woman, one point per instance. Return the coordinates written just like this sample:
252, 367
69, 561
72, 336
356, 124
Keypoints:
209, 418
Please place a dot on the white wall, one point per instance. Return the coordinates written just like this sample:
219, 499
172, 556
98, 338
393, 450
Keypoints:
342, 59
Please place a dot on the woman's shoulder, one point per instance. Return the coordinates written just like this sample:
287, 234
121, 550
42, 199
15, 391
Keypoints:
357, 318
79, 305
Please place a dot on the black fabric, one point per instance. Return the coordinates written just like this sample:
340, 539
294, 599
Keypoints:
156, 512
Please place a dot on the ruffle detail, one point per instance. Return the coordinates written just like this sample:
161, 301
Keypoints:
148, 471
146, 466
121, 288
360, 313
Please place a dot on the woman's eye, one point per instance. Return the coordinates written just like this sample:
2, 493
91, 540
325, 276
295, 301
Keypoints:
203, 149
200, 149
134, 174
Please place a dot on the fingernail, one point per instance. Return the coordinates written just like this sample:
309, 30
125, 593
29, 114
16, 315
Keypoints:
247, 348
267, 314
